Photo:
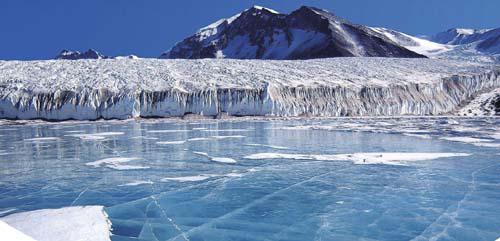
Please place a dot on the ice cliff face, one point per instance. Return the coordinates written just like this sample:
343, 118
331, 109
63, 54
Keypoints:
306, 33
127, 88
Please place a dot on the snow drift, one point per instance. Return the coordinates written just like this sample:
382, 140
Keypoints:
127, 88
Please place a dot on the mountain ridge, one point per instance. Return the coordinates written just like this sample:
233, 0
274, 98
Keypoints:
306, 33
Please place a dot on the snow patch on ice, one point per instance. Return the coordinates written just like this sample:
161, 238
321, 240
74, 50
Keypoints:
201, 177
167, 131
226, 160
493, 145
227, 137
465, 139
40, 139
223, 160
136, 183
199, 139
423, 136
269, 146
388, 158
96, 136
170, 142
196, 178
117, 163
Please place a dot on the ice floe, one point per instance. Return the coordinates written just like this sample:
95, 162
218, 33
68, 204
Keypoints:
117, 163
389, 158
89, 223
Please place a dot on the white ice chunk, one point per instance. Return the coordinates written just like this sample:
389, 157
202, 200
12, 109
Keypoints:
9, 233
89, 223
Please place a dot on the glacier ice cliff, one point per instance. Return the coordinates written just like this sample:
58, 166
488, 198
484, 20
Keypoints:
128, 88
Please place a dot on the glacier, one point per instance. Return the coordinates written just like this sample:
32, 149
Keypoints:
142, 88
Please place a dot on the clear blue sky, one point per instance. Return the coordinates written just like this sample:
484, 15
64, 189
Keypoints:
39, 29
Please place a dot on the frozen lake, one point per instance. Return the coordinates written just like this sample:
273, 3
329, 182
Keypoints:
316, 179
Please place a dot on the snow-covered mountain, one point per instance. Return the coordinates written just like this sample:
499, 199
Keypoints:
74, 55
306, 33
486, 41
458, 36
486, 50
125, 88
89, 54
415, 44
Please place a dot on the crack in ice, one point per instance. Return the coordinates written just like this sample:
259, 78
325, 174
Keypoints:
254, 203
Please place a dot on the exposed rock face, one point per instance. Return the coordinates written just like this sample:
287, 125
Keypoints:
306, 33
485, 104
75, 55
94, 89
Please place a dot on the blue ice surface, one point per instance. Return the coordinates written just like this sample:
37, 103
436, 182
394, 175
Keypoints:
454, 198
